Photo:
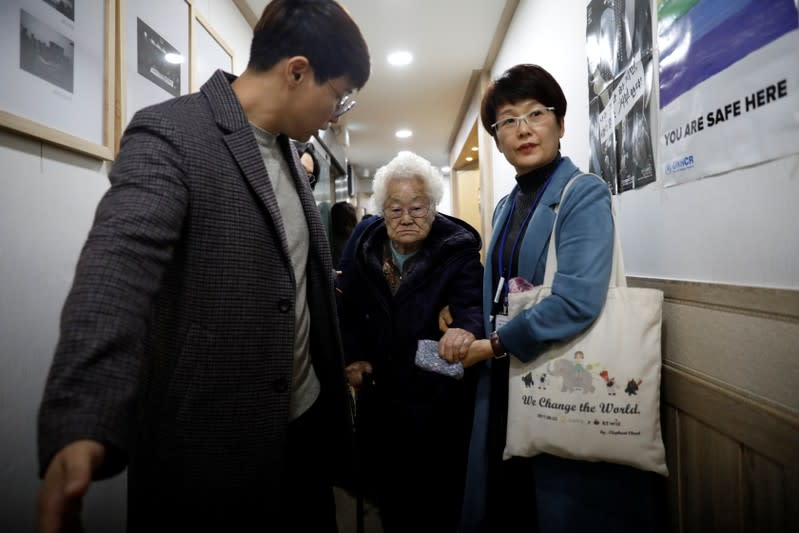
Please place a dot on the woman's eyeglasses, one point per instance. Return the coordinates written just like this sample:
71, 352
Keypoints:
416, 211
533, 119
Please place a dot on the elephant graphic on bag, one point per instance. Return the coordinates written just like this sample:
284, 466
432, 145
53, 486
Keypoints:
574, 376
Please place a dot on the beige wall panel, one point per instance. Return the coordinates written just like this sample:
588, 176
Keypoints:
752, 353
468, 195
730, 406
780, 303
671, 439
710, 477
791, 484
771, 432
764, 494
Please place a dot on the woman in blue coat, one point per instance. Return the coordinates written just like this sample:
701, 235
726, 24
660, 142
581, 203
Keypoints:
397, 272
524, 111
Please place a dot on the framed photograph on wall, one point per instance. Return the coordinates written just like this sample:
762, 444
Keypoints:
209, 53
57, 62
154, 54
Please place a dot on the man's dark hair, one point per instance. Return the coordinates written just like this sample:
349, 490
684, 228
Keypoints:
522, 82
320, 30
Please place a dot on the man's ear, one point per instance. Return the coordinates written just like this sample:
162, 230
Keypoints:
297, 68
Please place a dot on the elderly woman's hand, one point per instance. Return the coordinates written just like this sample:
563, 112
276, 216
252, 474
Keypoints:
355, 372
454, 345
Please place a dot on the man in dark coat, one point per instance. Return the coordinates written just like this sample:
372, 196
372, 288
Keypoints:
397, 272
199, 344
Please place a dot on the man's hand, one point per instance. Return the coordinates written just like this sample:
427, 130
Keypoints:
355, 372
444, 319
454, 345
65, 483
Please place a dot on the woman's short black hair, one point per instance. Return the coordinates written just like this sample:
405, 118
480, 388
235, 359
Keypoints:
522, 82
320, 30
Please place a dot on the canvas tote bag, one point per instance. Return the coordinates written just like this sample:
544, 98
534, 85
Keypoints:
596, 396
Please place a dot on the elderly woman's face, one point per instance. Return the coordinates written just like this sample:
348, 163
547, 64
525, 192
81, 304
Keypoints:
532, 143
408, 213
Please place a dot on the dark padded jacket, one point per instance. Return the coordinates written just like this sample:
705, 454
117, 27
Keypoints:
384, 329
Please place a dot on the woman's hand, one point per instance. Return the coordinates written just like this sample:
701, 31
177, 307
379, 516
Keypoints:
355, 372
478, 351
454, 345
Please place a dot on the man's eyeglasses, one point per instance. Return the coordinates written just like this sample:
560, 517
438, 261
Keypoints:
344, 104
533, 119
415, 211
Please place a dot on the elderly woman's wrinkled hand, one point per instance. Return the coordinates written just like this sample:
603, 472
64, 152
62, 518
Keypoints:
454, 345
355, 372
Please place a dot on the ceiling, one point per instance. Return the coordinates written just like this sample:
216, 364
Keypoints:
450, 41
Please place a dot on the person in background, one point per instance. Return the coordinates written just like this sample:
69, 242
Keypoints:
524, 111
199, 346
342, 222
398, 270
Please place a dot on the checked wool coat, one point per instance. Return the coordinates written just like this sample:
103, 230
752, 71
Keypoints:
176, 342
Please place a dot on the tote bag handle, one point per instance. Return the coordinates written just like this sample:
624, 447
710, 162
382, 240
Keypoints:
617, 274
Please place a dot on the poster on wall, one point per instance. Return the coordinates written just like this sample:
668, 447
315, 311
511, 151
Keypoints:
620, 73
729, 93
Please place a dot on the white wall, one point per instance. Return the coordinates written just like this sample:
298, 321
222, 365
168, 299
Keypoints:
738, 228
445, 206
46, 208
227, 20
550, 34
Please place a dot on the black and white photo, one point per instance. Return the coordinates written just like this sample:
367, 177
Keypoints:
636, 161
46, 53
602, 160
158, 61
65, 7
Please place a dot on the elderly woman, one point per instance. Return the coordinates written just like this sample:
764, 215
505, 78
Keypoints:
397, 272
524, 110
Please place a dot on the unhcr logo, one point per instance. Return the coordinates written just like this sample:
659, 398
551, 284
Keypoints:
680, 164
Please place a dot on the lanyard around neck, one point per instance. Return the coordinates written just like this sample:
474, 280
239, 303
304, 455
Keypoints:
503, 275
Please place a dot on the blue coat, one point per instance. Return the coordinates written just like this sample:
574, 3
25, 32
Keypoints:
566, 493
585, 249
